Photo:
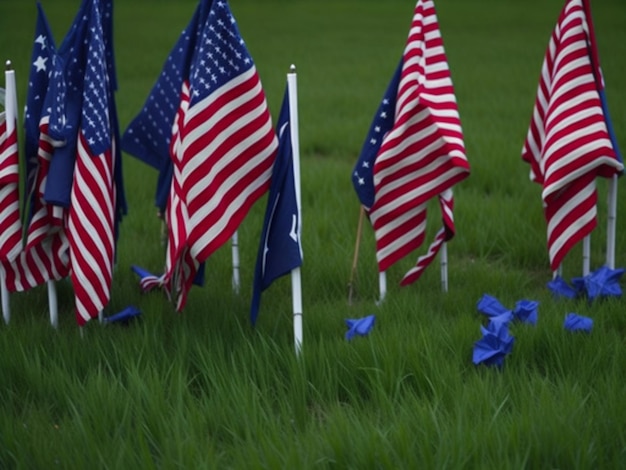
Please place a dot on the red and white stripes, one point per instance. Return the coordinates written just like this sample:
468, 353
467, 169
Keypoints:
423, 155
568, 144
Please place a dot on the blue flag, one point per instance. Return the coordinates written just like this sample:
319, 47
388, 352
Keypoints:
363, 173
149, 134
279, 250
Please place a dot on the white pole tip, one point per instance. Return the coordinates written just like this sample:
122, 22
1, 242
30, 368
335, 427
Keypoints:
8, 65
292, 69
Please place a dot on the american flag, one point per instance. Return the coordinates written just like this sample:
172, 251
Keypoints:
45, 81
45, 256
90, 225
10, 226
154, 137
423, 153
228, 142
223, 144
363, 172
568, 143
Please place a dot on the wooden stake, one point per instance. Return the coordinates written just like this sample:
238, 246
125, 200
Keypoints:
355, 259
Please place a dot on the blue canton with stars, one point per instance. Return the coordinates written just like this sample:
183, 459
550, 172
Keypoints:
363, 172
81, 100
221, 54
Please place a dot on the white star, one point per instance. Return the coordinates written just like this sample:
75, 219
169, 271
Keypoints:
41, 40
40, 63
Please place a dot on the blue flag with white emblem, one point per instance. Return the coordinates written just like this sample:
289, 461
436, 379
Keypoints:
279, 250
363, 173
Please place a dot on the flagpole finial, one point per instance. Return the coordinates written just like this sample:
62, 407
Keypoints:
292, 68
8, 65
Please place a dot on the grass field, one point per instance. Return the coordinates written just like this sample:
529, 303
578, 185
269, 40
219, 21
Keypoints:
202, 389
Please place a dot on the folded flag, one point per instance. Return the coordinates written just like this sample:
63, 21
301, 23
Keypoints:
490, 306
575, 322
125, 316
601, 283
359, 326
494, 345
560, 288
525, 311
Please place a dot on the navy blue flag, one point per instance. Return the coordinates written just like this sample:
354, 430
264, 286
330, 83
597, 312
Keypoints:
279, 250
149, 134
363, 173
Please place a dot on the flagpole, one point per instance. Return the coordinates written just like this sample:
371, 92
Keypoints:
444, 267
10, 107
382, 287
355, 258
235, 254
611, 223
52, 304
586, 254
296, 281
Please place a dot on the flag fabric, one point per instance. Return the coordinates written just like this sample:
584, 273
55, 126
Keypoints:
363, 172
10, 226
422, 154
90, 216
149, 139
228, 142
221, 141
280, 250
45, 256
44, 82
568, 144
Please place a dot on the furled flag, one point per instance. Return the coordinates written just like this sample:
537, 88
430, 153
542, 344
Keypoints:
10, 226
568, 143
45, 256
90, 221
421, 156
45, 72
280, 250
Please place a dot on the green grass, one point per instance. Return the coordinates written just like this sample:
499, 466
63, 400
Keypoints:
203, 389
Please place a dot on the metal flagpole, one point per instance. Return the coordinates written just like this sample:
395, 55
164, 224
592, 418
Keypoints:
611, 223
10, 107
444, 266
235, 252
296, 281
586, 255
382, 287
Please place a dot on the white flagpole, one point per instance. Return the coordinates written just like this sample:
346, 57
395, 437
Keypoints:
444, 266
382, 286
296, 281
52, 304
235, 254
586, 255
10, 107
611, 223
